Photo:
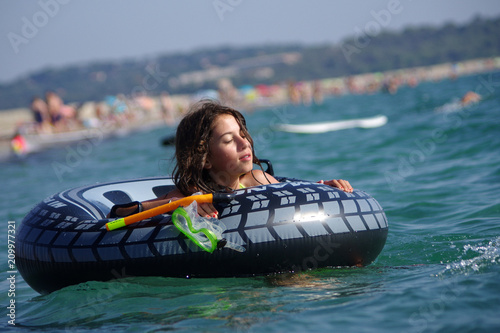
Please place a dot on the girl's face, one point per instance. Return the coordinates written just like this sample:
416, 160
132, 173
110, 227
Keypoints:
230, 153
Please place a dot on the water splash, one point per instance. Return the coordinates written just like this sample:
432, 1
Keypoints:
480, 258
452, 106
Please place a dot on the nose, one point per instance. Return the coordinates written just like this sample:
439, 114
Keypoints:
243, 143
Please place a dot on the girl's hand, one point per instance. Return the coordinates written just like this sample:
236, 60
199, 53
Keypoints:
339, 183
207, 210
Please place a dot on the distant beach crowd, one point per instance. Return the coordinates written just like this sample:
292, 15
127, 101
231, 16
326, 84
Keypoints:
51, 115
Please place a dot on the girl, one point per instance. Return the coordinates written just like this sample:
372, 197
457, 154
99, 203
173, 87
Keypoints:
214, 152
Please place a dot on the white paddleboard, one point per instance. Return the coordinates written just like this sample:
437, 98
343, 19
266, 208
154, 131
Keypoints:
323, 127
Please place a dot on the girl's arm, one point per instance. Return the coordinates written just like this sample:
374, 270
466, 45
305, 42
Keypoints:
254, 178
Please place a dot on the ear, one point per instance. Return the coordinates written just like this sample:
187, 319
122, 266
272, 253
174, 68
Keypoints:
206, 164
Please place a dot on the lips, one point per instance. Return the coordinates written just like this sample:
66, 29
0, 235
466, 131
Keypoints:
246, 157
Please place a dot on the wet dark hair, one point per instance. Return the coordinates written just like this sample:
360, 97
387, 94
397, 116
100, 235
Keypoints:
192, 146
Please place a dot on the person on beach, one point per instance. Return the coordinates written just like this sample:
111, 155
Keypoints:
41, 115
214, 152
167, 108
54, 104
62, 116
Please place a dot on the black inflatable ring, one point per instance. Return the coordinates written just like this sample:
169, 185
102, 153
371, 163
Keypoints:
289, 226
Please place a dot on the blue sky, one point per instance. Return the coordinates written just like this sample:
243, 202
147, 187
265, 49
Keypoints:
53, 33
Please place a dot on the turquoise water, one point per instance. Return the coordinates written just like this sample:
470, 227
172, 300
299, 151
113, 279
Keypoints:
435, 168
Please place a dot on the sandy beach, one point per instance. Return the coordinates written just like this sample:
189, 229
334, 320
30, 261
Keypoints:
11, 118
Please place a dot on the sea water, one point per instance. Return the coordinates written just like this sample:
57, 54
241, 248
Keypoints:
434, 167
